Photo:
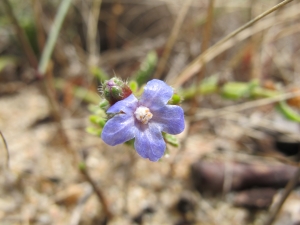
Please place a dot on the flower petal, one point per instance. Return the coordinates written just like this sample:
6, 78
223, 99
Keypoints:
170, 118
149, 143
127, 105
156, 94
118, 129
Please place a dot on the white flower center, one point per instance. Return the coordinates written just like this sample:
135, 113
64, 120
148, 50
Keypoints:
143, 114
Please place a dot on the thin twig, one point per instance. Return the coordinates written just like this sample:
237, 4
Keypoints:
196, 65
21, 35
98, 192
6, 149
206, 36
205, 44
172, 39
287, 190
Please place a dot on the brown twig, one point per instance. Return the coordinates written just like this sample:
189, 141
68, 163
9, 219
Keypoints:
172, 39
287, 190
21, 35
6, 149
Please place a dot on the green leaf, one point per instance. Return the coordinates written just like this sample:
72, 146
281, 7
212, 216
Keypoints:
288, 112
209, 85
146, 68
5, 61
95, 109
263, 93
94, 131
236, 90
82, 166
31, 33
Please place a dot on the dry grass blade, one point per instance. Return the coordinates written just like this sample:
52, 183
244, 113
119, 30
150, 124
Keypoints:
6, 149
222, 45
92, 32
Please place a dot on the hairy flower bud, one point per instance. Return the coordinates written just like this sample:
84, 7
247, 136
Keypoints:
115, 90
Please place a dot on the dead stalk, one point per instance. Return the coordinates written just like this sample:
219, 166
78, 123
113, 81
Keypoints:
21, 35
172, 39
92, 32
205, 44
210, 53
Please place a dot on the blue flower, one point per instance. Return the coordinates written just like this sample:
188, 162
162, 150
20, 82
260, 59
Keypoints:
145, 120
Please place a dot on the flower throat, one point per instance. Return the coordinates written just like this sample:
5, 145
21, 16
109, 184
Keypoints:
143, 114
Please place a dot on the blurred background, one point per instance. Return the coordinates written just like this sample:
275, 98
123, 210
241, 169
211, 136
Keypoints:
238, 85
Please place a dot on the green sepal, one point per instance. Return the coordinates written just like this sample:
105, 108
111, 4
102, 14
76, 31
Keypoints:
171, 139
104, 104
175, 100
97, 120
130, 143
6, 60
133, 85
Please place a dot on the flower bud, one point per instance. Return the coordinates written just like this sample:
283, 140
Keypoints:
115, 90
